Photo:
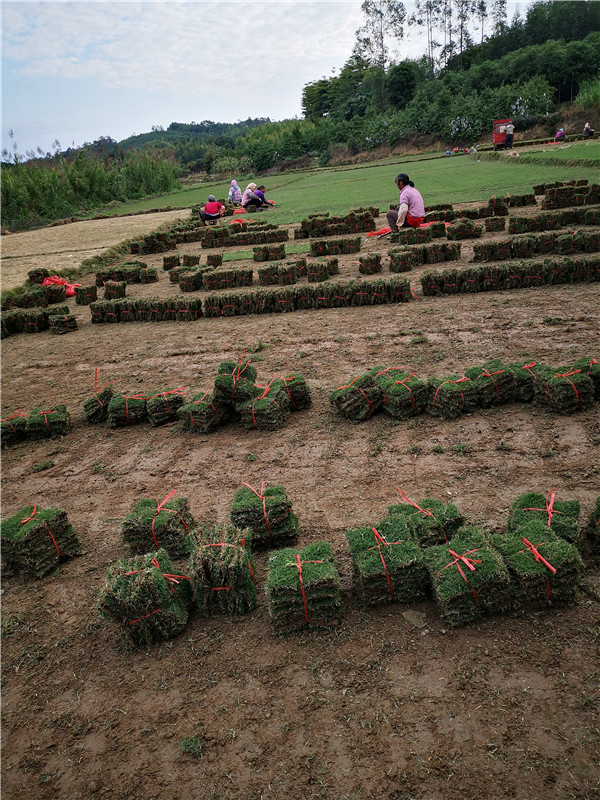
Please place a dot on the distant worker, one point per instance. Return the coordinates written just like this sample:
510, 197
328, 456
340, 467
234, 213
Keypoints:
260, 192
411, 211
559, 135
510, 132
250, 198
235, 194
212, 210
587, 131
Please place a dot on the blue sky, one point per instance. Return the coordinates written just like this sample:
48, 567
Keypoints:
75, 71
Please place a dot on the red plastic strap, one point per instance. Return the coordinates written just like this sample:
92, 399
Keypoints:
486, 374
262, 497
264, 394
536, 554
379, 540
468, 562
144, 617
132, 397
12, 416
159, 509
356, 387
529, 367
422, 510
44, 414
32, 516
403, 383
285, 380
228, 544
565, 375
298, 564
460, 380
180, 392
549, 509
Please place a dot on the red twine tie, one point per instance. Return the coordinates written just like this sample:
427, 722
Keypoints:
468, 562
262, 497
565, 375
529, 368
486, 374
201, 401
12, 416
532, 548
379, 540
263, 395
33, 516
159, 509
228, 544
422, 510
298, 564
96, 386
460, 380
549, 508
180, 392
358, 389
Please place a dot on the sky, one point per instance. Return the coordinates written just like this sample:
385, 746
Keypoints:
76, 71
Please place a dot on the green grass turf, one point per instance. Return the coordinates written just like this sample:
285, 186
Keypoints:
576, 151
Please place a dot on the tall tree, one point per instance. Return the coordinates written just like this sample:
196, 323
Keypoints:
499, 16
383, 18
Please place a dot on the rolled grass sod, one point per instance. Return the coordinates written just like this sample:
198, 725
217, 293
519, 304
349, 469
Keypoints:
303, 589
146, 600
269, 410
431, 522
163, 406
451, 396
561, 517
267, 513
221, 571
388, 568
298, 391
404, 395
36, 540
359, 399
126, 409
153, 525
204, 414
50, 423
469, 578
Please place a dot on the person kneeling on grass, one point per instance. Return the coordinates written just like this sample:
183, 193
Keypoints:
411, 211
260, 192
250, 198
212, 210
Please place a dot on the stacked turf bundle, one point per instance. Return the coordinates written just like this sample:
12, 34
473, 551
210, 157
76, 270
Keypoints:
38, 275
359, 399
267, 513
126, 410
369, 293
269, 409
494, 381
591, 367
387, 564
287, 274
544, 568
190, 260
13, 428
214, 259
35, 540
84, 295
190, 281
204, 414
300, 265
55, 293
369, 264
333, 265
148, 275
171, 261
499, 206
525, 379
452, 396
495, 224
63, 323
564, 390
188, 308
431, 522
298, 392
283, 301
163, 406
469, 578
317, 271
303, 589
404, 395
561, 517
402, 260
464, 229
114, 290
593, 533
411, 236
152, 525
234, 383
176, 272
268, 276
221, 571
45, 423
440, 251
145, 599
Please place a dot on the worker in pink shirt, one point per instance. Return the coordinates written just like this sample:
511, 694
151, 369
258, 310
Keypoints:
411, 211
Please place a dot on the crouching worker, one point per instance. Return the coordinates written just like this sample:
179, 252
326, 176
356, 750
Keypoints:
212, 210
411, 211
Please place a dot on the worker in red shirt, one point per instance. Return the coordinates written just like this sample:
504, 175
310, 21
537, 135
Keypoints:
212, 210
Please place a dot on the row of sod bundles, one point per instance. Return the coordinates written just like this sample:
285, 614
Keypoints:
561, 517
402, 260
479, 212
128, 271
335, 247
148, 275
411, 236
203, 413
369, 264
13, 428
521, 200
216, 237
152, 525
221, 571
84, 295
494, 381
359, 399
452, 396
469, 577
49, 423
270, 252
35, 540
62, 323
28, 299
156, 242
38, 275
430, 522
114, 290
267, 513
145, 599
564, 390
190, 280
259, 237
372, 210
268, 410
464, 229
227, 279
544, 568
387, 563
55, 293
404, 395
542, 188
303, 589
25, 320
163, 406
170, 261
495, 224
126, 410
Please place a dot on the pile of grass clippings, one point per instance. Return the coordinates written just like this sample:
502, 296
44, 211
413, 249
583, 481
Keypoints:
303, 589
126, 410
36, 540
146, 600
222, 572
153, 524
267, 513
561, 517
46, 423
359, 399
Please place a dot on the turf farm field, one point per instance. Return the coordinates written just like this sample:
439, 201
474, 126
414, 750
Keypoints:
374, 692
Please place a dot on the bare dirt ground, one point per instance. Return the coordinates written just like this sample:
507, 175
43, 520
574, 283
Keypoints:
390, 705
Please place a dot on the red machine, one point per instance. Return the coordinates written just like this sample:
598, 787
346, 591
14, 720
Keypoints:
499, 133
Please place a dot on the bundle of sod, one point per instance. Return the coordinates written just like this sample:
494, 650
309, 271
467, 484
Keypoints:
544, 568
303, 589
298, 392
204, 414
267, 513
29, 299
440, 251
411, 236
157, 309
268, 276
283, 301
84, 295
593, 533
190, 260
145, 599
32, 320
300, 265
149, 275
499, 206
126, 410
259, 302
38, 275
525, 379
163, 407
234, 384
430, 522
495, 383
387, 564
404, 395
561, 517
190, 281
464, 229
131, 270
359, 399
188, 308
564, 390
317, 271
171, 261
42, 424
469, 578
524, 247
591, 367
65, 323
98, 311
451, 396
402, 260
96, 408
214, 259
333, 265
35, 540
369, 293
152, 525
432, 284
287, 274
437, 229
221, 571
175, 272
269, 410
304, 297
13, 428
592, 216
114, 290
369, 264
398, 290
127, 309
